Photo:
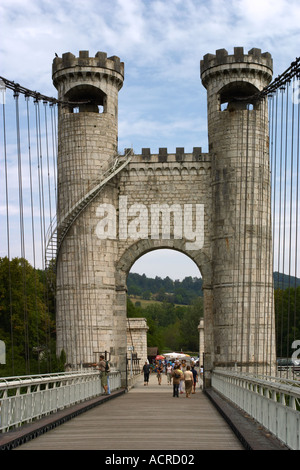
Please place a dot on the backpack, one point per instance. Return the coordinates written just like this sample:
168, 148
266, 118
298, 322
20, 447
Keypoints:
106, 366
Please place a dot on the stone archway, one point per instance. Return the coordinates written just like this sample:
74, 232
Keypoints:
141, 247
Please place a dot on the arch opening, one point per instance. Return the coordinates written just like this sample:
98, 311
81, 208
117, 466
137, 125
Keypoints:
238, 96
165, 289
86, 98
166, 262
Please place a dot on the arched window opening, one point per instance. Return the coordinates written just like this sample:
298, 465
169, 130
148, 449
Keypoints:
86, 99
238, 96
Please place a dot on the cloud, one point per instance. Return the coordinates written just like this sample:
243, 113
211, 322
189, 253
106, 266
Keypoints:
162, 103
164, 36
172, 263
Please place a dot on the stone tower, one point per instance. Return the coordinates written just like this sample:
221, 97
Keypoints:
87, 147
241, 209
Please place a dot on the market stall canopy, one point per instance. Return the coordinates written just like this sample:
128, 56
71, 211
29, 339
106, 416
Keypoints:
175, 355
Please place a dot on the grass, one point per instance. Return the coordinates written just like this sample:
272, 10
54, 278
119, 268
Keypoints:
144, 302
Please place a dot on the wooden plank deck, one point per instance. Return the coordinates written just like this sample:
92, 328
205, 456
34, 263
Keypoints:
145, 418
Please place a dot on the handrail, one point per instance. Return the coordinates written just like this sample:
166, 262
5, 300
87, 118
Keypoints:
272, 403
274, 383
26, 380
28, 398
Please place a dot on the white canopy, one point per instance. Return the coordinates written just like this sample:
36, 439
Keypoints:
175, 355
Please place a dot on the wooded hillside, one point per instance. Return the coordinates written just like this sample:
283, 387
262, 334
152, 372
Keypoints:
173, 310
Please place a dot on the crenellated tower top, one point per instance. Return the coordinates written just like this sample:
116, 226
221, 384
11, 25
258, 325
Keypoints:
220, 62
84, 78
100, 63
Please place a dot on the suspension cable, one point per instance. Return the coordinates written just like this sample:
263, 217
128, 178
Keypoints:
17, 88
8, 238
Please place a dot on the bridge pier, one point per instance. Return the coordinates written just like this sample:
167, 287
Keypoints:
89, 318
242, 265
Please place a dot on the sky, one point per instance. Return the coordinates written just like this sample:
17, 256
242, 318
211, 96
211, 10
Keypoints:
162, 102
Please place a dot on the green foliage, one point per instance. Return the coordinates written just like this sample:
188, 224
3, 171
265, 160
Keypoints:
283, 281
189, 325
27, 318
177, 292
287, 318
170, 327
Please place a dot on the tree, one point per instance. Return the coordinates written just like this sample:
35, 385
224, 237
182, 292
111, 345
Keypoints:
146, 295
26, 323
287, 320
189, 326
173, 337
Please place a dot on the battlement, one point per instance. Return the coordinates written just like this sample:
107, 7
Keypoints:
254, 57
100, 60
163, 156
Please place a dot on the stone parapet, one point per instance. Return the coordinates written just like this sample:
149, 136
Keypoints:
69, 60
70, 70
221, 57
137, 337
164, 156
217, 63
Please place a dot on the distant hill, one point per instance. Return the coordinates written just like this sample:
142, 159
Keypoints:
178, 292
283, 281
183, 292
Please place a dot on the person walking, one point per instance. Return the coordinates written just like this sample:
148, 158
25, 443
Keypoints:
195, 378
159, 370
188, 381
182, 379
201, 377
169, 373
177, 376
146, 370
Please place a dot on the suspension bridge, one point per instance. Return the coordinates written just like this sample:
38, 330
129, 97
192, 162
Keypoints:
63, 289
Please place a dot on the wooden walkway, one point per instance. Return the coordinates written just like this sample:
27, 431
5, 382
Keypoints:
146, 418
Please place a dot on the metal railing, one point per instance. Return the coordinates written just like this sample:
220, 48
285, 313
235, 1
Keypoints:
28, 398
272, 402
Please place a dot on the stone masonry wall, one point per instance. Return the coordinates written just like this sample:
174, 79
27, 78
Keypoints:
137, 337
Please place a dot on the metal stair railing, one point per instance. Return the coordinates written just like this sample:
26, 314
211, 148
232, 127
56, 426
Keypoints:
53, 241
